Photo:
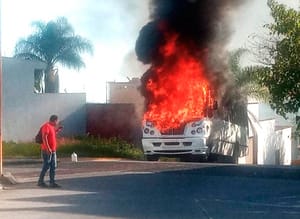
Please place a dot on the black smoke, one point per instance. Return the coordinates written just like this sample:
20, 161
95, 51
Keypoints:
203, 26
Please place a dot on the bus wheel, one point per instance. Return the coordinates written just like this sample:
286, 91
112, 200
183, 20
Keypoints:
152, 157
200, 158
185, 158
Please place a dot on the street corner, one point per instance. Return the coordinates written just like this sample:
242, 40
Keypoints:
7, 180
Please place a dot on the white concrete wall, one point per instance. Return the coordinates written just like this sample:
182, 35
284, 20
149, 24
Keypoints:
24, 111
284, 146
253, 114
274, 144
265, 146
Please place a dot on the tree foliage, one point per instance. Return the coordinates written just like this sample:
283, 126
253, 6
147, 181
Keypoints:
282, 77
53, 42
245, 84
246, 78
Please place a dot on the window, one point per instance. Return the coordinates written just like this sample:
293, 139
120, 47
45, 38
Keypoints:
39, 81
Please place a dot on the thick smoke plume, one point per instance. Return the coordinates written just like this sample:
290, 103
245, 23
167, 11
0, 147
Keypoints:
204, 27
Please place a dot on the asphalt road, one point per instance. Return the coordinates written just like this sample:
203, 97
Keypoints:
123, 189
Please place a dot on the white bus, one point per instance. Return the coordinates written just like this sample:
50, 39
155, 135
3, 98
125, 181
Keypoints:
203, 139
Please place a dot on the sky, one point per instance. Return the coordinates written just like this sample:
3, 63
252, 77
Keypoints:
113, 27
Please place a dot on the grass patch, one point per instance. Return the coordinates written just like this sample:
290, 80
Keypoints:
20, 150
82, 146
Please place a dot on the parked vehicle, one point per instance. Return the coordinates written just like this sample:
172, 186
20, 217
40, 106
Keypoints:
203, 139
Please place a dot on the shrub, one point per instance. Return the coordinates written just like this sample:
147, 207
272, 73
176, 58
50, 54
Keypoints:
83, 146
12, 149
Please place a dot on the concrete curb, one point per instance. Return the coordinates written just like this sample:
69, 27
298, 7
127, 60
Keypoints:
6, 180
10, 178
21, 161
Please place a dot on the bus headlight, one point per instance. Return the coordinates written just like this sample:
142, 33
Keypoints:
146, 130
199, 130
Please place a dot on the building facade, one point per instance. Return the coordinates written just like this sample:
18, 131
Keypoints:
24, 110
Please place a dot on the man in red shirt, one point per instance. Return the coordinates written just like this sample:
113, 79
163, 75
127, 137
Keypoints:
49, 130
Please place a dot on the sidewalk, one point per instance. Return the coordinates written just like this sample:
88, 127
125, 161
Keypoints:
27, 170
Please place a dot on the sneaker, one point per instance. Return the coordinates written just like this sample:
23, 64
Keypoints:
42, 184
54, 185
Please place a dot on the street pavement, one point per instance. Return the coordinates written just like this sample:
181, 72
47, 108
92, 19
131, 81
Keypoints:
18, 171
116, 188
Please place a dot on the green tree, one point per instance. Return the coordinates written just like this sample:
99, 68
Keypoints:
52, 43
282, 77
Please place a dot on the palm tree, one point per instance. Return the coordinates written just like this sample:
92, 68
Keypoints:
247, 79
52, 43
247, 84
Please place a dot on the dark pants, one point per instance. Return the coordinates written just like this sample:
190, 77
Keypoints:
49, 161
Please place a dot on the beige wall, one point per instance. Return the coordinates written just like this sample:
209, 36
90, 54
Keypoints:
127, 92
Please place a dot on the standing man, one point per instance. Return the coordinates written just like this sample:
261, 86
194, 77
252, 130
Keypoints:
49, 130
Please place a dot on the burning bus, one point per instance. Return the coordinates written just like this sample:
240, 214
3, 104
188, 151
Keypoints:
184, 45
199, 140
180, 120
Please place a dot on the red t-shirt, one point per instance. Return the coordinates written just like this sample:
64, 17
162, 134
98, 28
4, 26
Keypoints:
50, 131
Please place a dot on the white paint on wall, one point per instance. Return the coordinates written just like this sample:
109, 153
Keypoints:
274, 144
24, 111
285, 149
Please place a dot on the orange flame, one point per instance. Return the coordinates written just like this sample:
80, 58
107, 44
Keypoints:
179, 91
